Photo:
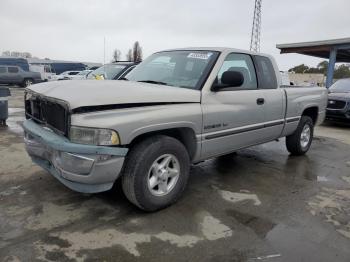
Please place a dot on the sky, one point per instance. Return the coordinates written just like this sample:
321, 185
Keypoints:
75, 29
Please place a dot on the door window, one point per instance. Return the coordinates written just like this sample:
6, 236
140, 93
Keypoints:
13, 69
241, 63
2, 70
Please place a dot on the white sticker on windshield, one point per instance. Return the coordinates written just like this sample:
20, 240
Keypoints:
204, 56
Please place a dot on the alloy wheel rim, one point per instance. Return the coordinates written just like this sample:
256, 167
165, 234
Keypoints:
305, 136
163, 175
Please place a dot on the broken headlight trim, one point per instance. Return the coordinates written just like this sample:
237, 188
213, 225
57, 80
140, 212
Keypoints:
93, 136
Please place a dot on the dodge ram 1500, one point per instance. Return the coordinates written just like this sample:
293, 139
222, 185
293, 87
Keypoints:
177, 107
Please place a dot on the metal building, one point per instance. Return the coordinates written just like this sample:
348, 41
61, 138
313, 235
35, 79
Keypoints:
336, 50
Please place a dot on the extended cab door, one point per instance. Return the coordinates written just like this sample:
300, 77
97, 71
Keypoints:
233, 117
274, 97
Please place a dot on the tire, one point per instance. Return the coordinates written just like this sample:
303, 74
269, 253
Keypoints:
27, 82
299, 142
142, 166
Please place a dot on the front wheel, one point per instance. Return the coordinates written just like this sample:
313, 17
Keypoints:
300, 141
27, 82
156, 172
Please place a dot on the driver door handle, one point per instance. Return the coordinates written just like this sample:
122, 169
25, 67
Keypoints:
260, 101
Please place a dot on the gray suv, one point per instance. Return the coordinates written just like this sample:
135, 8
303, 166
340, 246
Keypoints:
338, 108
15, 75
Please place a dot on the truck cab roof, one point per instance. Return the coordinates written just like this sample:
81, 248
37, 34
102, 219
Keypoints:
217, 49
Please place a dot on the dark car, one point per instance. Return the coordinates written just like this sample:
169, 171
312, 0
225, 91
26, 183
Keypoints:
338, 108
15, 75
60, 67
14, 61
113, 71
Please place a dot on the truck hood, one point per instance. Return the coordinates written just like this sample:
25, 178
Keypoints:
84, 93
342, 95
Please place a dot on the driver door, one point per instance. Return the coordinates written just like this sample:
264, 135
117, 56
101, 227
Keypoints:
13, 74
233, 117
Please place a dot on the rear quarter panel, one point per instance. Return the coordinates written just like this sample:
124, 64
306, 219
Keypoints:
301, 98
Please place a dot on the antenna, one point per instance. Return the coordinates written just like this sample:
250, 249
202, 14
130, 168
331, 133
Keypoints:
256, 29
104, 50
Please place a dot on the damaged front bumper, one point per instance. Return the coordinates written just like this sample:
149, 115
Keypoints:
83, 168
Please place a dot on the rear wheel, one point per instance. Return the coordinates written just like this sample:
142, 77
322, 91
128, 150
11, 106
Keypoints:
300, 141
156, 172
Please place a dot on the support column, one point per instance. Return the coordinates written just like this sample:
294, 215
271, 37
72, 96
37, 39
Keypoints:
331, 66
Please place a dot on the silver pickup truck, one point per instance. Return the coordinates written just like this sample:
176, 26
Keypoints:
177, 107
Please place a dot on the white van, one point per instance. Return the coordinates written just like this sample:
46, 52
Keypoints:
45, 72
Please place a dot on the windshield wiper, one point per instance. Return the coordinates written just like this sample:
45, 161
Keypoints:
123, 78
153, 82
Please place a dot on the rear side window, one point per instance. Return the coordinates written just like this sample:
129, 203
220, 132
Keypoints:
13, 69
2, 70
266, 73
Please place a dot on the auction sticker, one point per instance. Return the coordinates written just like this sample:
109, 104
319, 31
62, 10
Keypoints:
203, 56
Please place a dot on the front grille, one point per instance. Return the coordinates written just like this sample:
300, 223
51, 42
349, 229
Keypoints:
336, 104
48, 113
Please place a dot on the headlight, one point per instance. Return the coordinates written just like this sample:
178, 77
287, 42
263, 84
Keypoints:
93, 136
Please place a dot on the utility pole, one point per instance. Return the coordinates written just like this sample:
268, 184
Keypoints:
104, 50
256, 29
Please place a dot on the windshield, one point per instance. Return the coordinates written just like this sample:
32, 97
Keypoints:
109, 72
186, 69
83, 73
342, 85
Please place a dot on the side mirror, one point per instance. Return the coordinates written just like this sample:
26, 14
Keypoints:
229, 79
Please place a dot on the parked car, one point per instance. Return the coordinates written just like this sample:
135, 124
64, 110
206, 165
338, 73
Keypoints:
15, 61
175, 108
67, 75
15, 75
93, 67
60, 67
112, 71
338, 108
80, 76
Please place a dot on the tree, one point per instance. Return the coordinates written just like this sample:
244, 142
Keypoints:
6, 53
137, 52
15, 54
342, 71
323, 67
116, 55
300, 69
26, 55
129, 56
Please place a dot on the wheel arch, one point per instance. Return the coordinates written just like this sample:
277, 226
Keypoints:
311, 112
185, 135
